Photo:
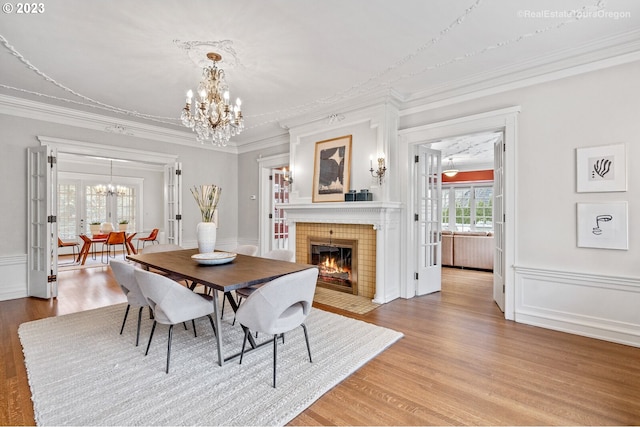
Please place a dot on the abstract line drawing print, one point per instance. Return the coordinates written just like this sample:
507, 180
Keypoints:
602, 168
604, 218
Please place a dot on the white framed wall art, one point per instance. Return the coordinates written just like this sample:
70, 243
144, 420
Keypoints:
603, 225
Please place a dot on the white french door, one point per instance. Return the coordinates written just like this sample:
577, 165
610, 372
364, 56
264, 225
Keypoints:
279, 195
173, 203
428, 221
42, 232
498, 224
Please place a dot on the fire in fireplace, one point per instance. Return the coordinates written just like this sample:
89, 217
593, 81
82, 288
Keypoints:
337, 263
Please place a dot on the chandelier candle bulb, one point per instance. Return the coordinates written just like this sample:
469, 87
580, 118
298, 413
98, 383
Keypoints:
213, 119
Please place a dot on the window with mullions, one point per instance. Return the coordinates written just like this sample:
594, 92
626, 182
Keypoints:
126, 205
67, 211
467, 208
95, 206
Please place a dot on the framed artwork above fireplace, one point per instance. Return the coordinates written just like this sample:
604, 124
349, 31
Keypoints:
331, 169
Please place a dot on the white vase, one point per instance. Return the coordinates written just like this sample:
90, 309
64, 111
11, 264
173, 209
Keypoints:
206, 235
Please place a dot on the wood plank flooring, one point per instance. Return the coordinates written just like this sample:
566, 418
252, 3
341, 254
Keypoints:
460, 363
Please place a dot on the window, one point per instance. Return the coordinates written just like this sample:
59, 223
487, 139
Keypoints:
467, 207
67, 211
80, 202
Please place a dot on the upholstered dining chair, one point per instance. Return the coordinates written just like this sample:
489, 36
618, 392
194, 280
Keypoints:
163, 247
250, 250
279, 306
124, 274
171, 304
279, 254
152, 237
114, 239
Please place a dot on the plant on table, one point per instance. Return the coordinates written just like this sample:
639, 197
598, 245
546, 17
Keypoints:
207, 197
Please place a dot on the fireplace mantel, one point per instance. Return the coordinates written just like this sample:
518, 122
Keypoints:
385, 219
378, 214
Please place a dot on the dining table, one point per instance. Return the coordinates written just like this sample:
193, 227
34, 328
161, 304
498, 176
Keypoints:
89, 242
240, 272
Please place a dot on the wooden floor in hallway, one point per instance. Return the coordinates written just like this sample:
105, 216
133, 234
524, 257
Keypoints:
459, 363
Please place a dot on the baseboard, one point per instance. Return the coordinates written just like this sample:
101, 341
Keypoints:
13, 277
597, 306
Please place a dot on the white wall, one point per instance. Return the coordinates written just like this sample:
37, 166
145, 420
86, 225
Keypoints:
595, 292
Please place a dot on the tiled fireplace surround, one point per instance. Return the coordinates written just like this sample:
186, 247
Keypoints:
375, 225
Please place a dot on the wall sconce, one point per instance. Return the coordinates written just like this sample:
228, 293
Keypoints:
451, 170
287, 175
381, 168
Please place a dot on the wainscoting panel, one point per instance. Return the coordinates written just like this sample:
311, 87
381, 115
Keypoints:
13, 277
604, 307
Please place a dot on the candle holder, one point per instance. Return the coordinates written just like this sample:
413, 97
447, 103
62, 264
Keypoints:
382, 169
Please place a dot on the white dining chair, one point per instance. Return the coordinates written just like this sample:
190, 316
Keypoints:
279, 306
250, 250
124, 274
172, 304
279, 254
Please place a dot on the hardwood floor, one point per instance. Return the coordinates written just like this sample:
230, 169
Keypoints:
460, 363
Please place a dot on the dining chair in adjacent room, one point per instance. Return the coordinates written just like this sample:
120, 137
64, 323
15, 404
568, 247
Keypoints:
279, 306
171, 304
73, 245
124, 274
114, 239
152, 237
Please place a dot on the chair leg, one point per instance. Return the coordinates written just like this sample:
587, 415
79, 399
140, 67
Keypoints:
153, 328
169, 346
215, 333
193, 322
306, 338
275, 356
139, 321
244, 343
234, 316
126, 313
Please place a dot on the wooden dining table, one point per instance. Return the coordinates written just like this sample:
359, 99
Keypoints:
242, 272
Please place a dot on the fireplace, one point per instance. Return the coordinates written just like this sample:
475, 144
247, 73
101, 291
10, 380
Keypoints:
337, 263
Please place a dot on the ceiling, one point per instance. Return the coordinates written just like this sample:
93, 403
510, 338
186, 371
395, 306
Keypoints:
285, 58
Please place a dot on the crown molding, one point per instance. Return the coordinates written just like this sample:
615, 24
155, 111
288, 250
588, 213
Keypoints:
262, 144
34, 110
606, 53
336, 112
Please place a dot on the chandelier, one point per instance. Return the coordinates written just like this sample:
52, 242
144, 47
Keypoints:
212, 119
110, 189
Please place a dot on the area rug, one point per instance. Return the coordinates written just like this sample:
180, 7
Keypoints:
342, 300
82, 372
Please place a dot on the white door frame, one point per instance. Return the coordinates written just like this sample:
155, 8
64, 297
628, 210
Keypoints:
265, 164
108, 151
504, 120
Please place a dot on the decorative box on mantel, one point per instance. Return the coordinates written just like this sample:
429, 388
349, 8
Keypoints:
384, 217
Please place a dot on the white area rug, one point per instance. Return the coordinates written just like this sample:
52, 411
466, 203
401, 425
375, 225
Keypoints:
82, 372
